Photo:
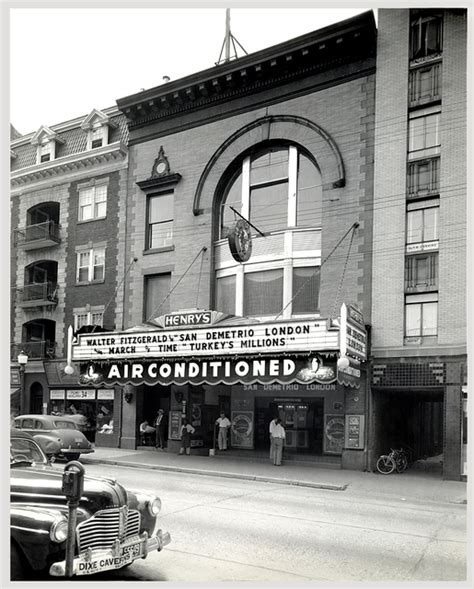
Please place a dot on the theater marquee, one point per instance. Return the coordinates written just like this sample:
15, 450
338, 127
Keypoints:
272, 338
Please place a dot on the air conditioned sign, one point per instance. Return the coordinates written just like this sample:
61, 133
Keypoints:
313, 369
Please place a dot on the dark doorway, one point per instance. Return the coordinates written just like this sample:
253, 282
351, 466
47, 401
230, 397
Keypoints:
36, 398
303, 422
411, 419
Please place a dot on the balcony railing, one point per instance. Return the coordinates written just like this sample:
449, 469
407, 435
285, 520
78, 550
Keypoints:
38, 236
38, 294
34, 350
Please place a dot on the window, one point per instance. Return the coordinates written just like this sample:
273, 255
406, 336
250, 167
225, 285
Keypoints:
263, 292
45, 152
91, 265
305, 290
423, 133
97, 137
426, 36
421, 272
422, 223
275, 189
160, 221
157, 288
93, 202
88, 316
425, 85
423, 177
421, 315
225, 294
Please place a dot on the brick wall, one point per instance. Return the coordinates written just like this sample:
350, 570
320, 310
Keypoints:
345, 112
97, 231
452, 221
390, 179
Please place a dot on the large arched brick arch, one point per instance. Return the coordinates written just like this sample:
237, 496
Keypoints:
279, 127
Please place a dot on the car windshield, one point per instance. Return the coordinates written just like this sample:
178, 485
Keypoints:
63, 424
25, 450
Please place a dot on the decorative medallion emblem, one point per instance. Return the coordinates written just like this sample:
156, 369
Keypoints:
161, 166
240, 241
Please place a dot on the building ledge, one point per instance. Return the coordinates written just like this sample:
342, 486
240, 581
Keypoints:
73, 162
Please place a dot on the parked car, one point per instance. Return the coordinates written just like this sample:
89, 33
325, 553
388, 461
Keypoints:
51, 429
114, 526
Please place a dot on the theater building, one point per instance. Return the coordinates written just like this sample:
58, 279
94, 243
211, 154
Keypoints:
235, 311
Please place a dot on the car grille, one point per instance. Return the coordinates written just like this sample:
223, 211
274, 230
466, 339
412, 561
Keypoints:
106, 526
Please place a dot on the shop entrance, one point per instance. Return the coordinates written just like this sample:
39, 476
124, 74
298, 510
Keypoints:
303, 422
412, 419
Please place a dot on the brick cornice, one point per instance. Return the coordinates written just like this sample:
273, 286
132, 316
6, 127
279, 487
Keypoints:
326, 49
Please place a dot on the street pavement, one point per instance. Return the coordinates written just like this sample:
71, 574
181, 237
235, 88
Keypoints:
414, 484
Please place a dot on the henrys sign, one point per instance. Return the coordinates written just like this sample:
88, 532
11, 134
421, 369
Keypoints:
313, 369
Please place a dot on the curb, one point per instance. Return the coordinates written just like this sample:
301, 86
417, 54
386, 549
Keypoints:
216, 473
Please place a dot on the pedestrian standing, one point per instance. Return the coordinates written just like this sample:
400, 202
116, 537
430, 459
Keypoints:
186, 431
278, 436
224, 424
270, 430
159, 423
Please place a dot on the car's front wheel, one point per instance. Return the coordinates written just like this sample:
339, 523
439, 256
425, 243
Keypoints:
72, 456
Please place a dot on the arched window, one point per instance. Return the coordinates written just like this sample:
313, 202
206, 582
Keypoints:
278, 189
275, 188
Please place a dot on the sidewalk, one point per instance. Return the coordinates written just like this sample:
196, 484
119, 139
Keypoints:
411, 485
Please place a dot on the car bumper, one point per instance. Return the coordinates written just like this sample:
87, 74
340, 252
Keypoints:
90, 561
76, 450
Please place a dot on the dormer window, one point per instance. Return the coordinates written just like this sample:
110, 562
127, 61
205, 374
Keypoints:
97, 138
97, 126
45, 140
45, 152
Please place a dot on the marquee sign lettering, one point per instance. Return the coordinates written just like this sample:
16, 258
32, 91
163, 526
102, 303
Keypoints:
313, 369
258, 338
353, 335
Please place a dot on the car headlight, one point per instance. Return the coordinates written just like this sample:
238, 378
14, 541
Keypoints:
154, 506
58, 531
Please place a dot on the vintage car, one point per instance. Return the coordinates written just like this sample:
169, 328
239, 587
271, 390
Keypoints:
114, 526
51, 429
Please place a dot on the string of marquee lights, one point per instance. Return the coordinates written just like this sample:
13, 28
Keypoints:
352, 228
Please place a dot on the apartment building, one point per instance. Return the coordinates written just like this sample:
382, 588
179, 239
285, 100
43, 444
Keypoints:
419, 378
68, 189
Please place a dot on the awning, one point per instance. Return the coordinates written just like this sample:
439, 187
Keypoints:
14, 390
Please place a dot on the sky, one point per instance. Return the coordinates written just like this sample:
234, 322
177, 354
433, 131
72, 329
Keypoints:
93, 56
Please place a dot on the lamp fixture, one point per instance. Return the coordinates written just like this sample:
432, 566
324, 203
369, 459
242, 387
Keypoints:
343, 363
22, 359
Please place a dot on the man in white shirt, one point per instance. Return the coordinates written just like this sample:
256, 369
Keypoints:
278, 437
224, 424
270, 430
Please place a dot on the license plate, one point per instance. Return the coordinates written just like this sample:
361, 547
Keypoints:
78, 440
133, 550
107, 562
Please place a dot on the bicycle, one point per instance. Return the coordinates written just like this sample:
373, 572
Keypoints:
396, 460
